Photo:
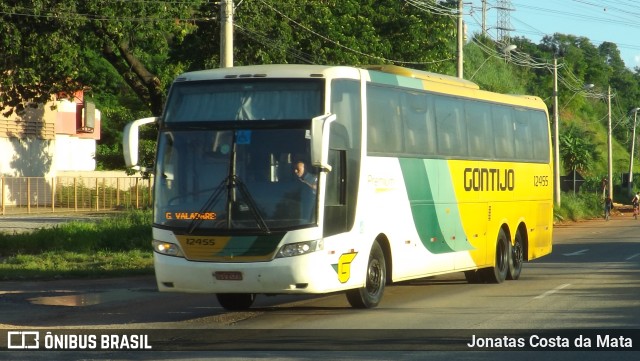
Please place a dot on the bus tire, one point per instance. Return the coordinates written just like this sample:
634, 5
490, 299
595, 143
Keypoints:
370, 295
516, 258
236, 301
498, 273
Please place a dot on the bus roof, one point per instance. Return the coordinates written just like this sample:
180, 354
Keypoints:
423, 75
272, 71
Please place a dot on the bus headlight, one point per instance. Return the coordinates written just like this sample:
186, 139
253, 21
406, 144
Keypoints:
300, 248
167, 248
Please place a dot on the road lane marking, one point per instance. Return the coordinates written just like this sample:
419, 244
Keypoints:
550, 292
632, 257
577, 253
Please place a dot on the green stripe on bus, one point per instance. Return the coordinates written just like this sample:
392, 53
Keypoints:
435, 213
383, 78
246, 246
390, 79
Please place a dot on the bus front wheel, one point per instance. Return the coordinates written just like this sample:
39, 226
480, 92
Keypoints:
236, 301
370, 295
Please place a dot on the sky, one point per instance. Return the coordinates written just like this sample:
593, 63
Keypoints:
616, 21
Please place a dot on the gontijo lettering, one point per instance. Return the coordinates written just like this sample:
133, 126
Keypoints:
489, 179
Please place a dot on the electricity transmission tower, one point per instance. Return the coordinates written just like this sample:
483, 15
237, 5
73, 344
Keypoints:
504, 20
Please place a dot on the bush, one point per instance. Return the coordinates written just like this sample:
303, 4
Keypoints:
580, 206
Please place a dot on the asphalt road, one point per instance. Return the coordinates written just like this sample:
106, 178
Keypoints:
18, 223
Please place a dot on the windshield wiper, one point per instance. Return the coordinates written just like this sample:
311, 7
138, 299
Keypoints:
230, 182
235, 182
209, 204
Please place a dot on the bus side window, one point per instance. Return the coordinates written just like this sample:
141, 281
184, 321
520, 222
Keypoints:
385, 126
418, 124
478, 117
452, 139
524, 141
375, 123
503, 131
540, 140
393, 129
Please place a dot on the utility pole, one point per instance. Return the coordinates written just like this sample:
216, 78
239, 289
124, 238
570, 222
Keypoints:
226, 33
610, 157
484, 17
556, 135
460, 41
633, 142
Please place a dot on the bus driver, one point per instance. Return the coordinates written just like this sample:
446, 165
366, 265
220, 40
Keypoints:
305, 177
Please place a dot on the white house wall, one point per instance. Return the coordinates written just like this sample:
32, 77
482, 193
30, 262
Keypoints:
74, 154
27, 157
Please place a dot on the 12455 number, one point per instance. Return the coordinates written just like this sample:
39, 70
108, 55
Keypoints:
540, 180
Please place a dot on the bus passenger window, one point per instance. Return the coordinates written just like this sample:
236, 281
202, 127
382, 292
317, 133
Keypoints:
385, 126
478, 119
524, 142
416, 117
450, 127
540, 139
503, 131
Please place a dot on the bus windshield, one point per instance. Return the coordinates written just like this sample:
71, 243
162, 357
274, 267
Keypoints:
234, 180
213, 173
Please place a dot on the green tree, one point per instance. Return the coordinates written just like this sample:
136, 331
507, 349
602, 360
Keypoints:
577, 150
49, 47
340, 32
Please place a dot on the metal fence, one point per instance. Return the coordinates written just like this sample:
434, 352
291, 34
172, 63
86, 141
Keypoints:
73, 194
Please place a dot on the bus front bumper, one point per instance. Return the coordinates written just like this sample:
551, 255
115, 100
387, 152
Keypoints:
310, 273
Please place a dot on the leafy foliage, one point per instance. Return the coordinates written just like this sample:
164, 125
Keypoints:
51, 47
577, 149
351, 32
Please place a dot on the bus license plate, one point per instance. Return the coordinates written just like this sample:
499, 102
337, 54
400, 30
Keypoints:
228, 276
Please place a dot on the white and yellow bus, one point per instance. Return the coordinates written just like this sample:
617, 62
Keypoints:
408, 174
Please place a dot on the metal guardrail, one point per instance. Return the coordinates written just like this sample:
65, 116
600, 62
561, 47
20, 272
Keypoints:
73, 194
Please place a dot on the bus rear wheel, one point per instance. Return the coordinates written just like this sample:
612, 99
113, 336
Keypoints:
498, 273
517, 258
370, 295
236, 301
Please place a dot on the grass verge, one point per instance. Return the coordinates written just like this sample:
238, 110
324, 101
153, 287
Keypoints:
117, 245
